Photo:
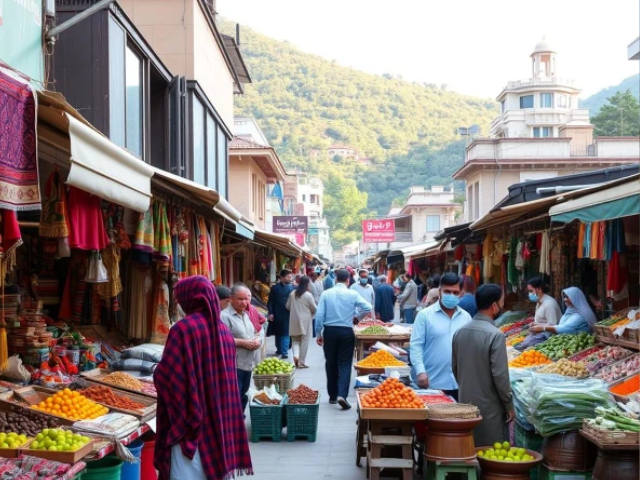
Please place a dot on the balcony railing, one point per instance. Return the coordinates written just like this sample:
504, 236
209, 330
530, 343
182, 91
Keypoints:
540, 81
584, 150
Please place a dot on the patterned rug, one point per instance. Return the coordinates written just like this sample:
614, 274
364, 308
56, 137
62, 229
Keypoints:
19, 188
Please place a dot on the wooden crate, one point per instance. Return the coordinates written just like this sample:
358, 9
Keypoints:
390, 413
607, 437
14, 452
10, 399
147, 412
97, 375
63, 457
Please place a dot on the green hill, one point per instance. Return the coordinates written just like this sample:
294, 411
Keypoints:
597, 100
305, 103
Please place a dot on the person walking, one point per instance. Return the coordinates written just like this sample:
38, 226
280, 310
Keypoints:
279, 315
248, 342
385, 299
468, 298
200, 431
363, 288
432, 337
317, 286
303, 308
334, 330
408, 299
480, 366
329, 279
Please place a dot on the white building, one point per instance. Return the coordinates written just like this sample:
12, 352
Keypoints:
343, 151
540, 133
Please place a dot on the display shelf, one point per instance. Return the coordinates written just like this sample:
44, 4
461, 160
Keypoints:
619, 342
106, 450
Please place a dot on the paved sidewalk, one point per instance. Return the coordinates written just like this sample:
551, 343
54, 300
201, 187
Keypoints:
332, 456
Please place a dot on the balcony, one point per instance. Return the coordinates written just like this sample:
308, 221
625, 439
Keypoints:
518, 148
534, 82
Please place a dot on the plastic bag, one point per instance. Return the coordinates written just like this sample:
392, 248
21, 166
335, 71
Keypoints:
269, 391
96, 271
15, 370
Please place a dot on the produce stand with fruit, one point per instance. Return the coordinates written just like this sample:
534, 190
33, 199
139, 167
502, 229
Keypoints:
273, 371
363, 340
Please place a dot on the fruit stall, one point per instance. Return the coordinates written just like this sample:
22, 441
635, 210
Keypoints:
371, 332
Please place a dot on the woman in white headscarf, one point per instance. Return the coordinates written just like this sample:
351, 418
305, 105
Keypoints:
578, 317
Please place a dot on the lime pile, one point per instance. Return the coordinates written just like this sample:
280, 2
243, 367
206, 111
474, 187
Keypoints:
12, 440
56, 440
506, 453
273, 366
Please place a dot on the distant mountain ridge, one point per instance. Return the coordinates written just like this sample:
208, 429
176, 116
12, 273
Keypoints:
597, 100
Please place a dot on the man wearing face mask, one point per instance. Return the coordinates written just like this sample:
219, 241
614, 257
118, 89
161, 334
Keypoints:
363, 288
480, 365
432, 337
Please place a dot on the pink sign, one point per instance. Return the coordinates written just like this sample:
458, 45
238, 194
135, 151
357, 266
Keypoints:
378, 231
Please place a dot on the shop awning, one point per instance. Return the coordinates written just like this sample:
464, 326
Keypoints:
97, 165
420, 250
279, 242
614, 202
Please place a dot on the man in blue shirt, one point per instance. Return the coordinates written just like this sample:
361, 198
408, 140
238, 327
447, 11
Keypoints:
334, 329
432, 337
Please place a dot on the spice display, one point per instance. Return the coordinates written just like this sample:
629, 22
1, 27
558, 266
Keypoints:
265, 400
603, 357
375, 330
71, 405
381, 359
567, 368
273, 366
302, 395
123, 380
391, 394
59, 441
504, 452
530, 358
12, 440
619, 370
107, 396
629, 386
565, 345
25, 422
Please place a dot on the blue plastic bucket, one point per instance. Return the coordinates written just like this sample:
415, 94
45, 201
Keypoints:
131, 470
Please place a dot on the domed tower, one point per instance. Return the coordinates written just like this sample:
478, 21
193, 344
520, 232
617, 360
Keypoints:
544, 60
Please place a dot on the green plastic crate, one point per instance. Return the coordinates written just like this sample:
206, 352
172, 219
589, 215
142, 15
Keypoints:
528, 439
266, 422
302, 421
546, 474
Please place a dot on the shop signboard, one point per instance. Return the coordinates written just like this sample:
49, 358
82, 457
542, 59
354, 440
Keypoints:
290, 225
378, 231
21, 36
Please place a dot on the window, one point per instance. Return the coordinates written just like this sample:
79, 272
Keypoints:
542, 132
476, 200
470, 202
212, 168
546, 100
503, 106
562, 101
433, 223
223, 163
526, 101
199, 174
304, 197
254, 193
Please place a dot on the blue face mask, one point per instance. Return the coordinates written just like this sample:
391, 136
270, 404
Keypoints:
364, 280
449, 300
533, 297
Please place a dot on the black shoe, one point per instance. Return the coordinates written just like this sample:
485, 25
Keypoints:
333, 402
284, 357
343, 403
278, 353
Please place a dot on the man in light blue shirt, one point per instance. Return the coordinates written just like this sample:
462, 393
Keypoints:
432, 338
334, 329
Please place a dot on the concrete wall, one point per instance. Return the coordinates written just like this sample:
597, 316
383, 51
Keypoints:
623, 147
419, 221
242, 192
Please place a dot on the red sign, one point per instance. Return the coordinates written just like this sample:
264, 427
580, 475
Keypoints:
378, 231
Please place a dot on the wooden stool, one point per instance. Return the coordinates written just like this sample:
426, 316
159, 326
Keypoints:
384, 436
361, 440
440, 469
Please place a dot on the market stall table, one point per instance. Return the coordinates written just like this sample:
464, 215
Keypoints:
107, 449
362, 340
615, 461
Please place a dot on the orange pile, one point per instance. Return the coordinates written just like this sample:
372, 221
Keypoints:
71, 405
530, 358
391, 394
381, 359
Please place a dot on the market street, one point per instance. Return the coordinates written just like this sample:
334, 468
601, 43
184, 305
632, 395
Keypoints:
333, 453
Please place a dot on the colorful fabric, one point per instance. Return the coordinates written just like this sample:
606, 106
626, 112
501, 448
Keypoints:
198, 398
19, 188
54, 218
144, 238
111, 261
85, 217
11, 237
161, 232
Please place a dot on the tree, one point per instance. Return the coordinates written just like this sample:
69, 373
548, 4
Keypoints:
344, 207
620, 117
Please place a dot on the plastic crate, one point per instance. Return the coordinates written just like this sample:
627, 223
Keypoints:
266, 422
302, 421
528, 439
546, 474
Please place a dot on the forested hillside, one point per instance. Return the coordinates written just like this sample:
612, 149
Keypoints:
595, 102
409, 130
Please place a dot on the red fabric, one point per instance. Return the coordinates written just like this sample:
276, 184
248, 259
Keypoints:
617, 276
85, 216
458, 253
538, 242
198, 399
257, 319
11, 237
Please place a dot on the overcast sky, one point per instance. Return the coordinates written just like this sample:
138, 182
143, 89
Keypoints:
475, 47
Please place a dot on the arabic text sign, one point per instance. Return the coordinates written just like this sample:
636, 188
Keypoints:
378, 231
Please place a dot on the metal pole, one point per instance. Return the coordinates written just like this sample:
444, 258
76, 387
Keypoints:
78, 18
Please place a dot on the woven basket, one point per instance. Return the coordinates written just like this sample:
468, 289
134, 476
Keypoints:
452, 411
612, 437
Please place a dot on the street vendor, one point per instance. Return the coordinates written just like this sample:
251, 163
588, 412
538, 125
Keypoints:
547, 312
578, 317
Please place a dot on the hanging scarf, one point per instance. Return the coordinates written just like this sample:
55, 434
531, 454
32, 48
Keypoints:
54, 217
144, 237
161, 232
198, 402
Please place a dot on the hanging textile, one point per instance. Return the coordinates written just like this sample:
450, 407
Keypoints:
111, 261
512, 271
19, 188
545, 264
11, 240
85, 217
161, 320
595, 241
139, 299
54, 219
519, 264
144, 239
487, 252
618, 273
582, 230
